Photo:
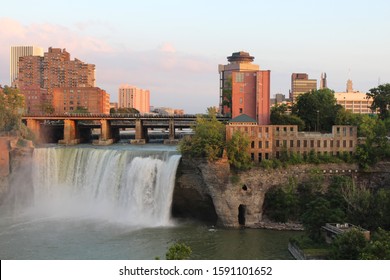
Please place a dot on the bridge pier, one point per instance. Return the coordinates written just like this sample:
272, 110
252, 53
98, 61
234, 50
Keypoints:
70, 133
141, 133
106, 134
171, 128
35, 127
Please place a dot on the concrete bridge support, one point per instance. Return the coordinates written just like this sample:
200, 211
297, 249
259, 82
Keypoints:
35, 127
141, 133
171, 129
70, 133
106, 134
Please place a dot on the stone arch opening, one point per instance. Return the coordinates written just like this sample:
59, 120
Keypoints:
241, 214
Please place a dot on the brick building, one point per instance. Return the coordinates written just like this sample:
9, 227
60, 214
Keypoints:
269, 141
250, 88
38, 76
69, 99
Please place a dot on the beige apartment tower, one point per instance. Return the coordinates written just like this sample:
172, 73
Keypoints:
133, 97
17, 52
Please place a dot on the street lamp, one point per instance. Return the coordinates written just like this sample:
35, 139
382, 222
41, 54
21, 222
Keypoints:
318, 120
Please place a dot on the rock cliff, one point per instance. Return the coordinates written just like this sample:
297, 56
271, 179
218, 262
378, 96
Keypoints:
211, 191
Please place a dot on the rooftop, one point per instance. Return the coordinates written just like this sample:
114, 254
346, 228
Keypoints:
240, 57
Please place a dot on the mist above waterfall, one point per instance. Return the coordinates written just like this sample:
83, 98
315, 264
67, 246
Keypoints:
114, 185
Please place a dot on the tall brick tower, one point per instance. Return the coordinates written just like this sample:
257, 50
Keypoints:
250, 88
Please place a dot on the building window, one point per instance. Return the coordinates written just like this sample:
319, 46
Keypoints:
277, 143
305, 143
253, 144
344, 143
318, 143
260, 157
285, 143
240, 100
252, 156
311, 143
260, 145
298, 143
350, 143
325, 144
240, 110
291, 143
239, 77
266, 144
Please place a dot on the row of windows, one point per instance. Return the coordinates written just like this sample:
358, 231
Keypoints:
311, 143
261, 156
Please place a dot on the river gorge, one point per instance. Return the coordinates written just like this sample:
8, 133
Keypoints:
132, 202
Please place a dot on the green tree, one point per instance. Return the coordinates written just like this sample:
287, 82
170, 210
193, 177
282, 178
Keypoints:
381, 100
318, 213
124, 111
237, 151
178, 251
279, 116
208, 139
378, 248
282, 204
80, 110
47, 108
227, 96
317, 108
348, 246
11, 108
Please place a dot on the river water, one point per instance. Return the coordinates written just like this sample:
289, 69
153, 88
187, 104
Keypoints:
114, 203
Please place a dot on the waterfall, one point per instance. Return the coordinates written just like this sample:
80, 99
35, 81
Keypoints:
128, 186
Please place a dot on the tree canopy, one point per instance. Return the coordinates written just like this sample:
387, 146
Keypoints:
318, 109
11, 108
279, 116
208, 139
237, 151
381, 100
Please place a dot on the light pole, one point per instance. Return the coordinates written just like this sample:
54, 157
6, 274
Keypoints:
318, 120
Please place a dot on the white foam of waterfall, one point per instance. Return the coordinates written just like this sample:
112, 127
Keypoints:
131, 187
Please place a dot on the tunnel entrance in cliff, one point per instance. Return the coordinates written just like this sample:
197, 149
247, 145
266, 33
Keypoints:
241, 214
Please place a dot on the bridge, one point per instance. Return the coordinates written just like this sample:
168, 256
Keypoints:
72, 129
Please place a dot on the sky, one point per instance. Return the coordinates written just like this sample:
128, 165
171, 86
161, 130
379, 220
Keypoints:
173, 47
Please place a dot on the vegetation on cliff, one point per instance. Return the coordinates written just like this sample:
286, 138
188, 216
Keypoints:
209, 141
11, 110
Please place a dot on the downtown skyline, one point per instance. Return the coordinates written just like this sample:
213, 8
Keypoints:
173, 48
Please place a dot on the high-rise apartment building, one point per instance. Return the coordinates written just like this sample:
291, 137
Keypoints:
249, 87
300, 84
18, 52
38, 76
133, 97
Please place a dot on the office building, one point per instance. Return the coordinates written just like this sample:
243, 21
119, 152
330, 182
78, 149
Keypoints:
16, 53
249, 87
133, 97
354, 101
300, 84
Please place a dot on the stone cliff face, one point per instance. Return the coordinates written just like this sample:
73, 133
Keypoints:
204, 190
15, 155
